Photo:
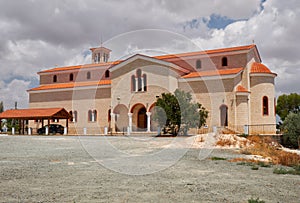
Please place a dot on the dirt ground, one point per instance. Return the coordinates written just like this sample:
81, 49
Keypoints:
61, 169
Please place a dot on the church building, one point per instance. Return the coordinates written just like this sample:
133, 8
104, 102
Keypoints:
115, 96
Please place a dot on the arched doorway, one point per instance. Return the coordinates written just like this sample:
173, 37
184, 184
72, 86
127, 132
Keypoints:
142, 119
224, 115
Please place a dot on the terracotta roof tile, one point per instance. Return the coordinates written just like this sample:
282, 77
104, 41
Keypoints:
35, 113
71, 85
259, 68
163, 57
240, 88
80, 66
206, 52
213, 73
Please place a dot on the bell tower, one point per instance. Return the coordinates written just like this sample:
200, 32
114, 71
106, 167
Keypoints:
100, 54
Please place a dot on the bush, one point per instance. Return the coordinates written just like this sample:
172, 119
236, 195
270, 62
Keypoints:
255, 200
291, 130
214, 158
294, 171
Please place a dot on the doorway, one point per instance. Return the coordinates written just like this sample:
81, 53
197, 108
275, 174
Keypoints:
142, 119
224, 115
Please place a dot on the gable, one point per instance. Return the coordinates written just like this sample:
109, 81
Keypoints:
141, 61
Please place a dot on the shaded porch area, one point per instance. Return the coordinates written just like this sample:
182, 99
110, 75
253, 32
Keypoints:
44, 115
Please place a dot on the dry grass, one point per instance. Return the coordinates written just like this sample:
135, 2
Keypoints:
266, 147
225, 142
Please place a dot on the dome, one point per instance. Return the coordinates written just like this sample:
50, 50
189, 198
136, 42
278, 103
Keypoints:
259, 68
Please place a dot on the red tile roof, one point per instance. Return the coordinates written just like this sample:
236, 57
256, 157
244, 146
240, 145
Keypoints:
71, 85
240, 48
259, 68
80, 66
35, 113
240, 88
163, 57
213, 73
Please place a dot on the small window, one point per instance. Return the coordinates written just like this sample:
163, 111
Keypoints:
265, 106
109, 115
55, 78
107, 74
224, 61
71, 77
133, 86
75, 117
92, 116
71, 113
145, 82
198, 64
88, 75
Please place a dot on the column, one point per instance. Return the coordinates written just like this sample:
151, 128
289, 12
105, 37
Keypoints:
148, 121
130, 121
142, 81
136, 84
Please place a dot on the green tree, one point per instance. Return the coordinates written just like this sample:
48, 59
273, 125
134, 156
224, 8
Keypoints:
286, 104
176, 112
291, 130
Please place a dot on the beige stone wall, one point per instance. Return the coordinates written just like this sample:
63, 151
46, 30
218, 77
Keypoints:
80, 75
212, 62
69, 95
262, 86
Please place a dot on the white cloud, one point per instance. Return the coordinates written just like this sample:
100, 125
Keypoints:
36, 35
15, 91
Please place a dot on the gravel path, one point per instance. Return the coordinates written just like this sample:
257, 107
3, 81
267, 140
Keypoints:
59, 169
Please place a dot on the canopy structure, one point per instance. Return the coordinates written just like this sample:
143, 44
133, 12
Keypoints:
35, 114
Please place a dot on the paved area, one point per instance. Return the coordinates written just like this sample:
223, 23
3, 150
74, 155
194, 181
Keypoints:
77, 169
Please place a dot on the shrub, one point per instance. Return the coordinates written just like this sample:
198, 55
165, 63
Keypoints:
291, 130
217, 158
287, 171
255, 200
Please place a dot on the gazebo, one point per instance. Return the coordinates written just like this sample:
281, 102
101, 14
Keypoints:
35, 114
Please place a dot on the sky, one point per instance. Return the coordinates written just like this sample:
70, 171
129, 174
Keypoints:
36, 34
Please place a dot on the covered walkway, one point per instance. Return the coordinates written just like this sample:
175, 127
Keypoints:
42, 114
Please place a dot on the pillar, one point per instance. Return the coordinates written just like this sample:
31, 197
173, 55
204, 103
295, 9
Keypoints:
148, 121
130, 122
136, 84
142, 79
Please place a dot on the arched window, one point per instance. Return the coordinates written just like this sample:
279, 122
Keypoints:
198, 64
139, 82
75, 116
71, 77
265, 106
55, 78
139, 75
90, 115
107, 74
109, 115
88, 75
71, 113
224, 61
145, 82
133, 87
94, 116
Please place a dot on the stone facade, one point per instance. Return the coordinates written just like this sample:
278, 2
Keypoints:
230, 83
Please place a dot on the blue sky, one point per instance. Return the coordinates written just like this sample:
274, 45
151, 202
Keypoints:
37, 35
